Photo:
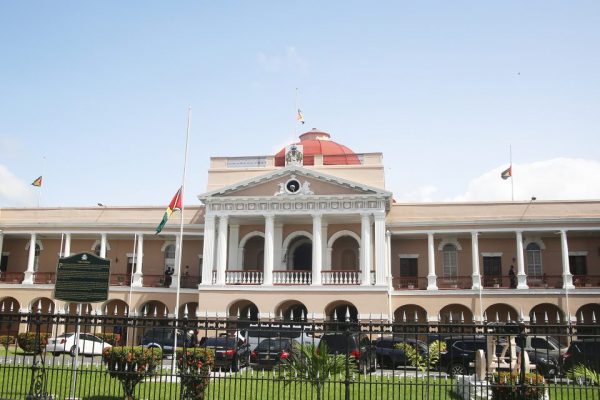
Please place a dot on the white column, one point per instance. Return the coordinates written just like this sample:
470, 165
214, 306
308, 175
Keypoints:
325, 250
521, 276
103, 245
317, 249
138, 275
232, 247
176, 274
67, 252
208, 247
564, 247
269, 249
380, 264
222, 249
476, 277
278, 242
30, 261
365, 246
328, 259
431, 276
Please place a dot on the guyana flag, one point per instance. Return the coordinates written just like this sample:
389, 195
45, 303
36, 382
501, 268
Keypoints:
37, 182
174, 205
507, 173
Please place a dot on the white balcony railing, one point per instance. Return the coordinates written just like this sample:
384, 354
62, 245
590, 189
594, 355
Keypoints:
243, 277
292, 277
340, 277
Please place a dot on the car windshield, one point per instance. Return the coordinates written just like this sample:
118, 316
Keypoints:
219, 342
274, 345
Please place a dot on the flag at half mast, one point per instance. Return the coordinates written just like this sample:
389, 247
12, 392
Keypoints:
37, 182
507, 173
300, 117
174, 205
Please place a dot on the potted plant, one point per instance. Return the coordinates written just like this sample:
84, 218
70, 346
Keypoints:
121, 280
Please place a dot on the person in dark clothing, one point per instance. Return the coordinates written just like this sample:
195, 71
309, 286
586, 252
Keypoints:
168, 276
512, 277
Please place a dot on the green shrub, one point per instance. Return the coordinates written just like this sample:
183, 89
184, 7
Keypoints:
28, 343
194, 365
506, 385
110, 338
131, 365
6, 341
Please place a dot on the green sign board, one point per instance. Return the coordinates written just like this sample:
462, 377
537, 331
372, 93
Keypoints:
82, 278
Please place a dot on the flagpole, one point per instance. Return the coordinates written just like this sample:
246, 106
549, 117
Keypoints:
179, 253
40, 188
296, 113
512, 183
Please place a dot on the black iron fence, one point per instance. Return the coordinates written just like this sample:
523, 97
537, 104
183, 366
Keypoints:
105, 357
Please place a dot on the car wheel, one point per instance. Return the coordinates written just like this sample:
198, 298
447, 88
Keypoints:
72, 351
457, 369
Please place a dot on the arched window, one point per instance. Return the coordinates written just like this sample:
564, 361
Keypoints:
170, 257
450, 261
534, 260
97, 250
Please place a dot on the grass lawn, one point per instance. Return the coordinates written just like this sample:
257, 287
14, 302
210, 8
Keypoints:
95, 384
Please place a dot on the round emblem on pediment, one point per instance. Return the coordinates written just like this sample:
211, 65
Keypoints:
292, 186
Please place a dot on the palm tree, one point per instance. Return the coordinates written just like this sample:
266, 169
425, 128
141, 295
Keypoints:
314, 365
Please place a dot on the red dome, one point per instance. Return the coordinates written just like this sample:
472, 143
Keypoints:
316, 142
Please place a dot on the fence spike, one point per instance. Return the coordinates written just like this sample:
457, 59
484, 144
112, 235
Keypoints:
450, 317
116, 312
335, 315
593, 317
497, 317
248, 312
12, 306
166, 313
557, 317
185, 311
39, 306
416, 316
303, 316
533, 319
197, 313
485, 316
508, 317
462, 317
145, 312
2, 309
546, 317
347, 313
521, 315
439, 318
403, 316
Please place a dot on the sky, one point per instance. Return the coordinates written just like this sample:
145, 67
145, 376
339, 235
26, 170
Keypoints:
94, 95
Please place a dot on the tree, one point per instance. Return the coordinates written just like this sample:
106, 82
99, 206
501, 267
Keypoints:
421, 361
314, 365
131, 365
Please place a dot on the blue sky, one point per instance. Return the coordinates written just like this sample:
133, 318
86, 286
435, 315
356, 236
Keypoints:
101, 90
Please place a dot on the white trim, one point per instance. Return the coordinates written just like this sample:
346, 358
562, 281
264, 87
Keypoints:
488, 254
37, 241
408, 255
527, 240
249, 236
449, 240
578, 253
292, 236
343, 233
166, 244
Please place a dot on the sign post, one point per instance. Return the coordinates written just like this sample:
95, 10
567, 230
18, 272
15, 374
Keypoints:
81, 278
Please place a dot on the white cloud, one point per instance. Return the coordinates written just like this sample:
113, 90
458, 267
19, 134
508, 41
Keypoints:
556, 179
13, 191
422, 193
291, 59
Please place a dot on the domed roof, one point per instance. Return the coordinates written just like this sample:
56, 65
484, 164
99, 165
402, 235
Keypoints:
316, 142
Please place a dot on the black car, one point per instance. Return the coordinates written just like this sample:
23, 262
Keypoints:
355, 344
585, 352
230, 352
271, 352
389, 356
459, 356
164, 339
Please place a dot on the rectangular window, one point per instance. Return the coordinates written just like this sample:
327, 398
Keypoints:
578, 265
409, 267
492, 266
534, 263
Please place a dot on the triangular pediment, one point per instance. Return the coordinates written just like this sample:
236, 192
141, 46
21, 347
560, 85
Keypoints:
294, 181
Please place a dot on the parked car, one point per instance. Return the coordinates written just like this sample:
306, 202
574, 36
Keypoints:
585, 352
545, 352
389, 356
256, 334
65, 343
271, 352
355, 344
230, 352
164, 338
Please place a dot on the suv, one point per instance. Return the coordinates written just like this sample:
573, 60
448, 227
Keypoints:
388, 355
586, 352
544, 351
164, 339
460, 353
256, 334
354, 344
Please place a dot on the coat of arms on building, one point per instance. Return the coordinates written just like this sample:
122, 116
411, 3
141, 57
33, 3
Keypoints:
294, 155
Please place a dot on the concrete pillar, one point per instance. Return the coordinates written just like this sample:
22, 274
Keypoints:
233, 248
380, 246
317, 249
365, 246
269, 249
521, 276
567, 277
67, 251
475, 276
431, 276
138, 274
103, 245
222, 249
277, 243
208, 250
28, 279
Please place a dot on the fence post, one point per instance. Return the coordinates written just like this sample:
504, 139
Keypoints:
522, 339
37, 387
347, 380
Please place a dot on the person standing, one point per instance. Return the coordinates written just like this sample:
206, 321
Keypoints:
512, 277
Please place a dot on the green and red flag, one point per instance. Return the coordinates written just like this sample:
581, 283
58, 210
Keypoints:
507, 173
174, 205
37, 182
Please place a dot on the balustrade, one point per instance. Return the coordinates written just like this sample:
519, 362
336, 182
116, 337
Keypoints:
290, 277
248, 277
44, 277
341, 277
11, 277
455, 282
